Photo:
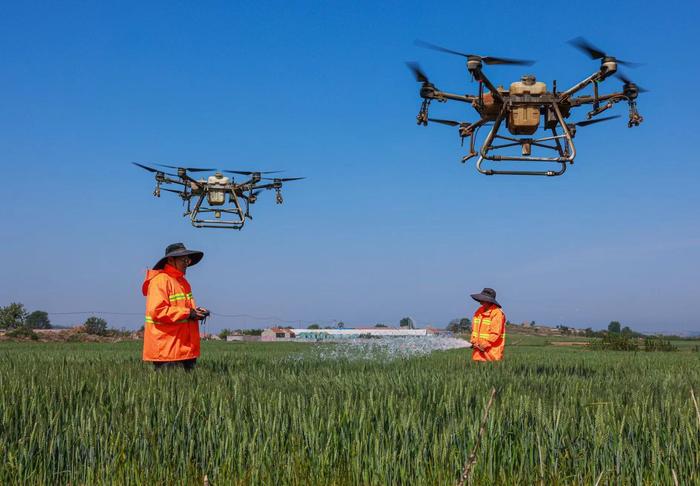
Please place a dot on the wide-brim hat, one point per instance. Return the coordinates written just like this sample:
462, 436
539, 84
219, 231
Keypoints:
486, 295
179, 250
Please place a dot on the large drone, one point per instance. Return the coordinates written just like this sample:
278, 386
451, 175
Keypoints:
522, 106
210, 195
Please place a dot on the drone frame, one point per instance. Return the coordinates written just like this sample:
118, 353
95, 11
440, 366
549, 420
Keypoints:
555, 106
200, 191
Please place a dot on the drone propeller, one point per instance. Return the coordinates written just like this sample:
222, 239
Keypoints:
151, 169
485, 59
629, 84
583, 45
420, 75
282, 180
188, 169
596, 120
451, 123
249, 172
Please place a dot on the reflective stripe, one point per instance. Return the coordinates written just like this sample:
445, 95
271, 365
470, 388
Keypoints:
149, 320
180, 296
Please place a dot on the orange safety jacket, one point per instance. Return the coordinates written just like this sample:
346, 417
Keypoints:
489, 332
168, 333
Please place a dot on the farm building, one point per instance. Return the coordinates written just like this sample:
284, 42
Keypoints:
277, 334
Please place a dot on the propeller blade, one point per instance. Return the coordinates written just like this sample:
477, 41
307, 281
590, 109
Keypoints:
435, 47
188, 169
451, 123
485, 59
151, 169
283, 180
596, 120
630, 64
421, 77
629, 82
583, 45
505, 60
251, 172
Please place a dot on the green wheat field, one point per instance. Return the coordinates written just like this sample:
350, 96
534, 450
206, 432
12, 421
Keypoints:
286, 413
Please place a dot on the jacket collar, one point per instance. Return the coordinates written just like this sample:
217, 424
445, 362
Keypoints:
486, 308
172, 271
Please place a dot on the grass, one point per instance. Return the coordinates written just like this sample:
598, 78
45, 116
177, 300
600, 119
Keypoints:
257, 413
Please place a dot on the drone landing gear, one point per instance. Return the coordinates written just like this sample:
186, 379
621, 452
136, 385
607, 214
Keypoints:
566, 152
236, 222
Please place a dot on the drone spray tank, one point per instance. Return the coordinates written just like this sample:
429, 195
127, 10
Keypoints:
525, 119
216, 196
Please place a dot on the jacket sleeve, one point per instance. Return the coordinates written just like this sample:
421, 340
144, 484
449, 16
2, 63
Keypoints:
495, 329
158, 305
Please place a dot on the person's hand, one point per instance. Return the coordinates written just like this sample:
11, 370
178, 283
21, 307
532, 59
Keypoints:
197, 314
203, 311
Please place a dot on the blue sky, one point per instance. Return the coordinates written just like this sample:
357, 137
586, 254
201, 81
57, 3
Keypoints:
389, 223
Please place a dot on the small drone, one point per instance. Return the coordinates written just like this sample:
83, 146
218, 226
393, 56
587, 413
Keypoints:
210, 194
522, 106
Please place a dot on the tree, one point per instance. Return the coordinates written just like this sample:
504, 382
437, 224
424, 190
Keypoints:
38, 320
225, 333
95, 325
532, 323
614, 327
340, 325
458, 325
626, 331
314, 326
12, 316
407, 322
251, 332
380, 325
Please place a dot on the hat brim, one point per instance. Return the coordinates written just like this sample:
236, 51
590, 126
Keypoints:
195, 257
485, 298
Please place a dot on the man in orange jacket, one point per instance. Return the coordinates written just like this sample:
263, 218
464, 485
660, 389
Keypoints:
171, 330
488, 328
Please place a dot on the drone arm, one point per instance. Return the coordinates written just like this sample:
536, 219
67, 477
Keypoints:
481, 77
595, 77
433, 94
167, 180
584, 100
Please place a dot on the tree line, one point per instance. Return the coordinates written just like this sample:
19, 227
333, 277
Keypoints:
15, 319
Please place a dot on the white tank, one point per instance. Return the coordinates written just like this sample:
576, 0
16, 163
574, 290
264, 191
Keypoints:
218, 178
528, 85
216, 195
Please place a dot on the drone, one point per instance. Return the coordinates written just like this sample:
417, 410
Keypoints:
210, 195
523, 106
